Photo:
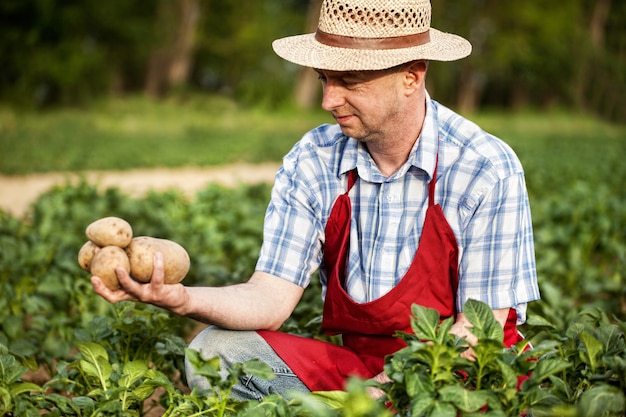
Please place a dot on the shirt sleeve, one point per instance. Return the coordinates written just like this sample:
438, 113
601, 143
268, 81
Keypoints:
292, 233
497, 264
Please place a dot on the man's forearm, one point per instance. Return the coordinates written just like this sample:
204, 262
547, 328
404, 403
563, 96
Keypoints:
264, 302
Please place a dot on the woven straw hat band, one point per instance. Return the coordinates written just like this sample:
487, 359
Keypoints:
372, 43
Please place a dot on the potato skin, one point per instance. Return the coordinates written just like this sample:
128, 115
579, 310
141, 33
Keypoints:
86, 254
141, 252
110, 231
104, 263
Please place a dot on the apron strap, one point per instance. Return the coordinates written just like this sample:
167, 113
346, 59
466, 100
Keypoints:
352, 177
431, 184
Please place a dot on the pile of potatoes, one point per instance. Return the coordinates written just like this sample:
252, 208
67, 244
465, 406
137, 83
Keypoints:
111, 244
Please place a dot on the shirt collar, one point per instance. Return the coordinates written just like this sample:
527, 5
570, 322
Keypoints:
424, 153
423, 156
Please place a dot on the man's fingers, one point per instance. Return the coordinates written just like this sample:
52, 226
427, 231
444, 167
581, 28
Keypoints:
112, 296
158, 271
131, 290
126, 282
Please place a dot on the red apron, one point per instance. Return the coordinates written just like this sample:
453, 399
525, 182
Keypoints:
368, 329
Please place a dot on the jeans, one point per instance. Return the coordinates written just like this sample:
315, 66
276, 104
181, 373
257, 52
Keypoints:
234, 346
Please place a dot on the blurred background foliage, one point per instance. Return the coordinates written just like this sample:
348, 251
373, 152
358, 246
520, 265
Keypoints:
569, 54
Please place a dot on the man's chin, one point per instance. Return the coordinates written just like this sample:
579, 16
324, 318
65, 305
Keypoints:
351, 132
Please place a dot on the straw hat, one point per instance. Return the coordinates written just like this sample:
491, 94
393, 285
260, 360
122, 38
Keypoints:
371, 35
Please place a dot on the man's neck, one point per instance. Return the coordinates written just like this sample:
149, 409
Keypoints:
392, 152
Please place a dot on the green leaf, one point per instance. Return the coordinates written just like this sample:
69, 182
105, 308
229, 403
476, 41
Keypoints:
23, 387
95, 362
259, 369
485, 324
5, 400
418, 384
546, 367
333, 399
537, 321
143, 391
602, 400
443, 409
444, 331
422, 404
508, 374
208, 368
465, 400
132, 372
10, 370
560, 387
612, 338
592, 351
84, 403
425, 322
315, 403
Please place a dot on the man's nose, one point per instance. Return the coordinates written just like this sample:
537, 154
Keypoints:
332, 97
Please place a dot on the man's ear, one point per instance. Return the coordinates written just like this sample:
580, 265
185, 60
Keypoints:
415, 75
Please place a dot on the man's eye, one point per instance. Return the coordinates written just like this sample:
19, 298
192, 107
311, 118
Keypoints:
348, 82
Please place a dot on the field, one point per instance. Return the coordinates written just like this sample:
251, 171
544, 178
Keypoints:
66, 352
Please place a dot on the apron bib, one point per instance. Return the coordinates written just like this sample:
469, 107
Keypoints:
368, 329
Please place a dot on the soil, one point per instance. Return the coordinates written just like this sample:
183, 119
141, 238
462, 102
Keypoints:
17, 193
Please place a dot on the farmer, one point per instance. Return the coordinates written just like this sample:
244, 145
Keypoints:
401, 201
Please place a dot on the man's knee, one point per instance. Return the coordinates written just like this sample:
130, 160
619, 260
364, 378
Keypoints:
233, 347
211, 342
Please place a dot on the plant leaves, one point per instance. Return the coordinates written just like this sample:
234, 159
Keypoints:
422, 404
602, 400
23, 387
538, 321
593, 349
418, 384
208, 368
259, 369
95, 361
464, 399
443, 409
485, 324
425, 322
546, 367
132, 372
10, 370
508, 374
333, 399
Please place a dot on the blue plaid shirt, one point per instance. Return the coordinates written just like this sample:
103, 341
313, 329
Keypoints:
480, 187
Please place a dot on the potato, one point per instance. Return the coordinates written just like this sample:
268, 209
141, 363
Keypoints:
104, 263
141, 255
85, 255
110, 231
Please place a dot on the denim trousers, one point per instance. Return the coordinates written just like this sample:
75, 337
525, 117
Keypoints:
235, 346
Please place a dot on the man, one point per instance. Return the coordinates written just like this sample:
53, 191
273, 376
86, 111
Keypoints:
402, 201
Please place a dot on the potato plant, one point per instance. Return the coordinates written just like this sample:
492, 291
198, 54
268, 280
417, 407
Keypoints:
66, 352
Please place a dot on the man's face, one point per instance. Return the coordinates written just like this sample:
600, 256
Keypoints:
365, 104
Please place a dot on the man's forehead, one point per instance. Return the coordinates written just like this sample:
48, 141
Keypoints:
352, 74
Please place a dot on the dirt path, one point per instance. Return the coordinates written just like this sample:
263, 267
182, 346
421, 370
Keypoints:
18, 192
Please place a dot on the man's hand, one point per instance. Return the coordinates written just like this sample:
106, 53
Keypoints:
375, 392
462, 325
171, 297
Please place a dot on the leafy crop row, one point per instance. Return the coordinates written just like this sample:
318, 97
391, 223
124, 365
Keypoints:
66, 352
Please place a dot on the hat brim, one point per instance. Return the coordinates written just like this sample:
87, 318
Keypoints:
305, 50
